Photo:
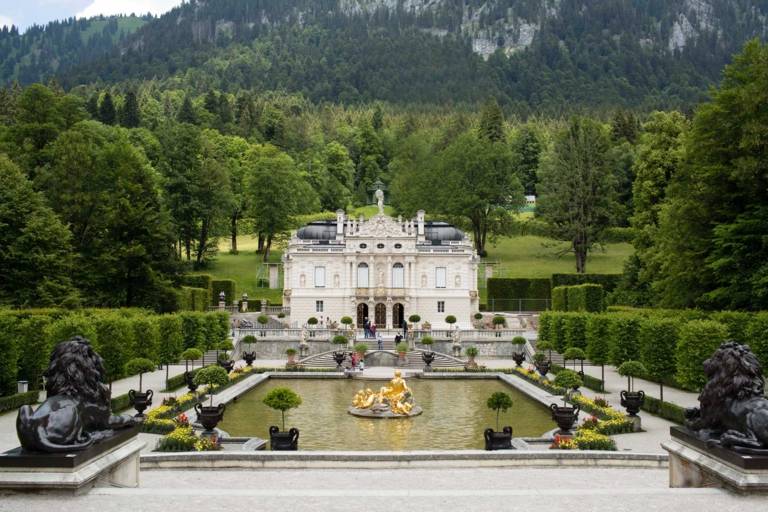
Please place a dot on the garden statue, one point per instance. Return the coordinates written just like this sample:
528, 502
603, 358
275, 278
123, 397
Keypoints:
380, 201
733, 411
392, 400
77, 412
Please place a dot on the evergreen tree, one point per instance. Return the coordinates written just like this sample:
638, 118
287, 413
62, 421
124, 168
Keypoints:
187, 112
577, 197
92, 105
36, 257
129, 115
107, 113
492, 121
211, 103
526, 149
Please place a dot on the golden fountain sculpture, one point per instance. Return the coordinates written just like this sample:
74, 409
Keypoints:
392, 401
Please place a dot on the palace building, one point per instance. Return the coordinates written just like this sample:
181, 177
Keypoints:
384, 269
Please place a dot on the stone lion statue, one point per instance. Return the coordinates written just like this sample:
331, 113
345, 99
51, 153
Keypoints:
733, 410
77, 412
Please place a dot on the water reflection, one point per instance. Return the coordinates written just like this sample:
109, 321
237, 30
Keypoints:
454, 415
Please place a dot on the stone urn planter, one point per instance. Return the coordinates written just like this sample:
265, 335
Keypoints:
227, 365
249, 357
632, 401
209, 416
283, 441
140, 401
189, 378
498, 440
428, 358
339, 357
518, 358
543, 368
565, 417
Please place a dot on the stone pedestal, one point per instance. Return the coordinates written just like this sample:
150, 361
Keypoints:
693, 464
114, 463
637, 423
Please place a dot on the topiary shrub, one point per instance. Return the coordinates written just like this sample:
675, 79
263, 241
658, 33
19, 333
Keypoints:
560, 298
630, 370
478, 316
568, 379
658, 343
212, 376
340, 339
282, 399
414, 319
623, 338
361, 348
499, 402
575, 330
545, 326
312, 321
519, 340
191, 354
472, 351
264, 319
427, 340
140, 366
499, 320
402, 347
346, 320
450, 319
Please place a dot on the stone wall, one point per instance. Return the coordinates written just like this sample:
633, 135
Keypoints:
276, 349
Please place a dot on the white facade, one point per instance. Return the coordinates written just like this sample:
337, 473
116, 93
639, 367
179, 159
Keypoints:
383, 269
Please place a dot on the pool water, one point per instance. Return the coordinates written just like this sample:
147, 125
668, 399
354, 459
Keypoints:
455, 415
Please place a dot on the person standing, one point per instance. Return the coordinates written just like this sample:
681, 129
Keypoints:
372, 328
367, 328
380, 342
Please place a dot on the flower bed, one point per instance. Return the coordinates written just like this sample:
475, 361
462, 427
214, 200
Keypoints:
183, 439
584, 440
535, 378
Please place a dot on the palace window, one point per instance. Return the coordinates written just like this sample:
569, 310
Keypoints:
319, 277
441, 306
319, 306
362, 275
440, 277
379, 246
398, 276
363, 246
398, 246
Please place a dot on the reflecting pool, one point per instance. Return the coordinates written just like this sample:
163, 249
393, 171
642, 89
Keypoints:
454, 418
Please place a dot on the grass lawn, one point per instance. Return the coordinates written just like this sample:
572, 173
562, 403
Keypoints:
521, 256
533, 256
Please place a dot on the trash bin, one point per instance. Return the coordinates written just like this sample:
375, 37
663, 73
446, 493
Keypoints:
22, 386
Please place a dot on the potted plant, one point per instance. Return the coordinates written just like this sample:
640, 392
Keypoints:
402, 350
361, 349
140, 400
450, 320
210, 376
291, 353
575, 354
224, 361
281, 315
311, 322
541, 363
283, 399
498, 439
427, 355
632, 400
545, 345
263, 321
472, 352
346, 321
339, 355
565, 416
414, 319
518, 356
248, 355
499, 322
191, 354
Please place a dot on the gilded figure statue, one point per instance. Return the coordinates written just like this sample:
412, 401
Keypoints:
395, 398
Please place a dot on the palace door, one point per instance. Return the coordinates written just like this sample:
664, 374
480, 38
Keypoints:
362, 314
381, 316
398, 314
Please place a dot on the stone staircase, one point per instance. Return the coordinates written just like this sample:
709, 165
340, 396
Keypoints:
412, 358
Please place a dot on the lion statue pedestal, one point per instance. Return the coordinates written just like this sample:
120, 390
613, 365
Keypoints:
725, 441
73, 441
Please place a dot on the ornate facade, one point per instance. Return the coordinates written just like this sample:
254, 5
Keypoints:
383, 269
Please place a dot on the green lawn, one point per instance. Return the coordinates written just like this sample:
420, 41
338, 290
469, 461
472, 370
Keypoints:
533, 256
521, 256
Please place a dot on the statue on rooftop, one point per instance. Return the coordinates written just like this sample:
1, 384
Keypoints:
380, 200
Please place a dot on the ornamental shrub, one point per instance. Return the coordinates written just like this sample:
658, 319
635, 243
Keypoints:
9, 354
116, 339
223, 285
737, 323
212, 376
170, 340
698, 341
450, 319
598, 338
402, 347
414, 319
575, 330
34, 349
263, 319
499, 320
145, 336
499, 402
658, 343
607, 281
282, 399
568, 379
557, 335
757, 334
140, 366
339, 339
478, 316
427, 340
312, 321
193, 330
631, 369
346, 320
560, 298
361, 348
623, 337
545, 326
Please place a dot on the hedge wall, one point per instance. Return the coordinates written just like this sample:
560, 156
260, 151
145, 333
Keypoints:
227, 286
607, 281
193, 299
28, 336
500, 290
585, 297
8, 403
198, 281
666, 410
698, 340
560, 298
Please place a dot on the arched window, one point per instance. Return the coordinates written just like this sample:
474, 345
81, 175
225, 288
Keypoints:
362, 275
398, 276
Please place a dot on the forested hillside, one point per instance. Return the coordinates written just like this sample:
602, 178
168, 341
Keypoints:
535, 56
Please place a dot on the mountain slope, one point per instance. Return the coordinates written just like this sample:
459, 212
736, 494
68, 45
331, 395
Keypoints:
549, 55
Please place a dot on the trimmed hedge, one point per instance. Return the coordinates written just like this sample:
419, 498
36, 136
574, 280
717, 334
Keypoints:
227, 286
598, 341
607, 281
623, 338
198, 281
698, 340
560, 298
120, 403
178, 381
9, 403
575, 330
757, 333
193, 299
666, 410
545, 326
658, 344
588, 381
518, 288
586, 297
